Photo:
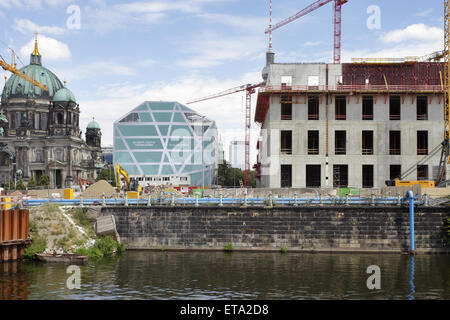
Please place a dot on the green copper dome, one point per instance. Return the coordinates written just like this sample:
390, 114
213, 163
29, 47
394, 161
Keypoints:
64, 95
17, 87
93, 125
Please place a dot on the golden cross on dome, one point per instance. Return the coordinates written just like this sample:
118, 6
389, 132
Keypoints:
36, 51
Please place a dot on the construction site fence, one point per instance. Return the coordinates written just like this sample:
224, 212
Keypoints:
242, 201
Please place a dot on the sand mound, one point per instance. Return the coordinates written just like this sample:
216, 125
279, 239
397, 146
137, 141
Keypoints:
96, 190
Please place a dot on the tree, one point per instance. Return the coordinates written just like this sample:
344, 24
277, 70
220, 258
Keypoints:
43, 180
9, 185
32, 183
108, 175
229, 177
20, 185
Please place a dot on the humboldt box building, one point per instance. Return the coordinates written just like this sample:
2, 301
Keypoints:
166, 141
351, 124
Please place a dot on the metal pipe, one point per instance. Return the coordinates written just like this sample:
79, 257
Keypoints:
410, 196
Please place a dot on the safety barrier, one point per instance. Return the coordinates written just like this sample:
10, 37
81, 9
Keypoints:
243, 201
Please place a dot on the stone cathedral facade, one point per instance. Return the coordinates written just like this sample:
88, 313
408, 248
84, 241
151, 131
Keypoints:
39, 131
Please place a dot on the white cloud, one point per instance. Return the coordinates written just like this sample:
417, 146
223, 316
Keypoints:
32, 3
414, 32
103, 18
228, 111
51, 49
211, 49
424, 13
157, 7
415, 40
94, 69
26, 26
249, 24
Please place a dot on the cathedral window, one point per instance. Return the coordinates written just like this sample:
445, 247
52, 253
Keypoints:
59, 118
59, 155
37, 120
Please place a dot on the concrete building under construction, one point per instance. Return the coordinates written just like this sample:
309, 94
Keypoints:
351, 124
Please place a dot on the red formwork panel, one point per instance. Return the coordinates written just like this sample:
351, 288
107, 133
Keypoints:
417, 73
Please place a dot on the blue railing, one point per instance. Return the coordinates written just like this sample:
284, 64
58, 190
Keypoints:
228, 201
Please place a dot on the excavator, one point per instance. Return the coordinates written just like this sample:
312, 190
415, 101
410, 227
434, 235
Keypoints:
83, 182
131, 185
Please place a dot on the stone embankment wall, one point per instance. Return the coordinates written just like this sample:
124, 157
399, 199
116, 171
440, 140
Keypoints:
295, 228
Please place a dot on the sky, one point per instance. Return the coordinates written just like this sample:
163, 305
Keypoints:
115, 54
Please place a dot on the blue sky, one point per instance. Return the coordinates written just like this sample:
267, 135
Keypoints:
125, 52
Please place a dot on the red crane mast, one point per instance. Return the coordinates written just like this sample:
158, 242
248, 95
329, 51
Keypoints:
249, 90
337, 22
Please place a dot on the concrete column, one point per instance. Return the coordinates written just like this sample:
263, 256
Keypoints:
221, 200
149, 201
172, 200
103, 199
196, 200
81, 201
295, 199
126, 199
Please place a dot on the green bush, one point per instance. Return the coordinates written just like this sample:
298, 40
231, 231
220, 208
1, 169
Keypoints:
283, 249
104, 246
229, 247
31, 183
82, 251
37, 246
43, 181
9, 185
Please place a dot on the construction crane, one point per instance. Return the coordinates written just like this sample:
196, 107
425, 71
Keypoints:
444, 147
445, 144
249, 90
12, 68
337, 22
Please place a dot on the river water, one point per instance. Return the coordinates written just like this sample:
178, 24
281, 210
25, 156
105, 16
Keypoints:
238, 275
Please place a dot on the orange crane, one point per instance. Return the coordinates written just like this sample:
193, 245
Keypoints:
12, 68
446, 143
249, 90
316, 5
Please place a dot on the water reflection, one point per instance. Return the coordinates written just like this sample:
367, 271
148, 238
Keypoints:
215, 275
411, 278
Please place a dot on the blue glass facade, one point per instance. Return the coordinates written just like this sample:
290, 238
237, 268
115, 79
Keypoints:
166, 138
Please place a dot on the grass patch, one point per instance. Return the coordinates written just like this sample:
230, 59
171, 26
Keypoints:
103, 247
79, 215
56, 229
283, 249
37, 246
229, 247
50, 208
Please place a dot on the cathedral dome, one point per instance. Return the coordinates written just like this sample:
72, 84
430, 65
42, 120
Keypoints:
17, 87
93, 125
64, 95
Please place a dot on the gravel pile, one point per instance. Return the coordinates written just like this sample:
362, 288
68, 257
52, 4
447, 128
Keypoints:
96, 190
